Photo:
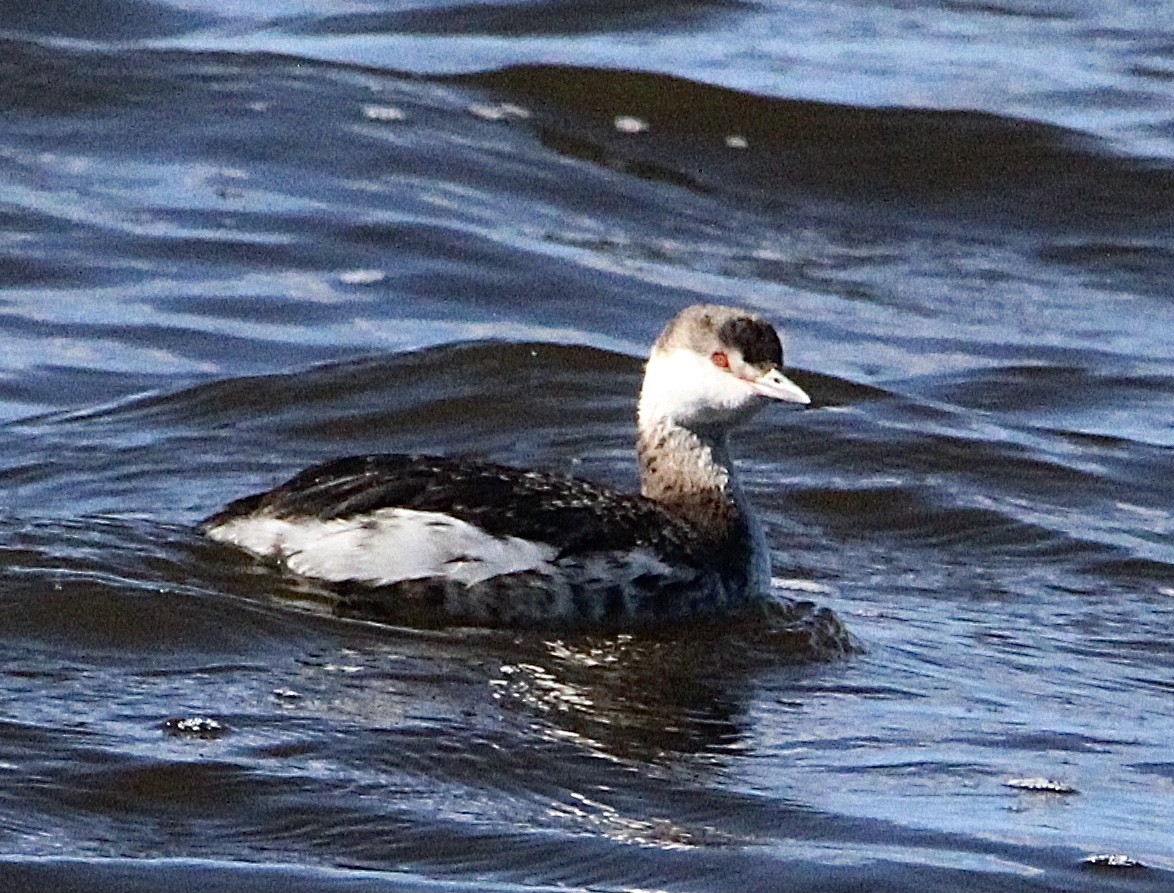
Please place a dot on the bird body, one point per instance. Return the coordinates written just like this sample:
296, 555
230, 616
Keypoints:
493, 545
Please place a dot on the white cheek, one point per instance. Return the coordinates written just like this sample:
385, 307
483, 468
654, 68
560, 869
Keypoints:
686, 388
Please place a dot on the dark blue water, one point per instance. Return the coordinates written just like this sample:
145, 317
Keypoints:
236, 240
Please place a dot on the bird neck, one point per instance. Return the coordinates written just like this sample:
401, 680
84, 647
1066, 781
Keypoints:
689, 472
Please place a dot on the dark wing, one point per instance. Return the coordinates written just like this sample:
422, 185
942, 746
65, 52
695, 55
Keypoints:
571, 514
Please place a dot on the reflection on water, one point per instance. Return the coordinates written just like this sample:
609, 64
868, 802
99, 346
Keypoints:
631, 698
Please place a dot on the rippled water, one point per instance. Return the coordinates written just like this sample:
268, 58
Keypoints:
237, 241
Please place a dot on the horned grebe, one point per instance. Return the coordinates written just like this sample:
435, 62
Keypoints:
492, 545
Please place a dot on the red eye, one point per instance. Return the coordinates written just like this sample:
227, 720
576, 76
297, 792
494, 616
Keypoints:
719, 359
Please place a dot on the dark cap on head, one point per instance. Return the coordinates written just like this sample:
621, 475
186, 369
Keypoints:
705, 328
755, 339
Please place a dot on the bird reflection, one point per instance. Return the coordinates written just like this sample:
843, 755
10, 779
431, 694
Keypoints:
650, 697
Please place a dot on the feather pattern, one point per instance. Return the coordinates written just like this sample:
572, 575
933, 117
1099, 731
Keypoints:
570, 514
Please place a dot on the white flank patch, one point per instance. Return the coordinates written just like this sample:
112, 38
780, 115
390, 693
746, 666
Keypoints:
625, 567
385, 547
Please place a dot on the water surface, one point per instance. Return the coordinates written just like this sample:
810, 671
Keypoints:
234, 242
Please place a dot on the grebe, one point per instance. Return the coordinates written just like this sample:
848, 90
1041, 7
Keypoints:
492, 545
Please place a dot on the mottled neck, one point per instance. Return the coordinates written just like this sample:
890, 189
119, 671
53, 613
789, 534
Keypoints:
689, 472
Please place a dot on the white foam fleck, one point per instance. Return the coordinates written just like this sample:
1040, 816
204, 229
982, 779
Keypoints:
630, 124
794, 585
498, 111
361, 277
1112, 860
195, 727
1041, 785
385, 113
